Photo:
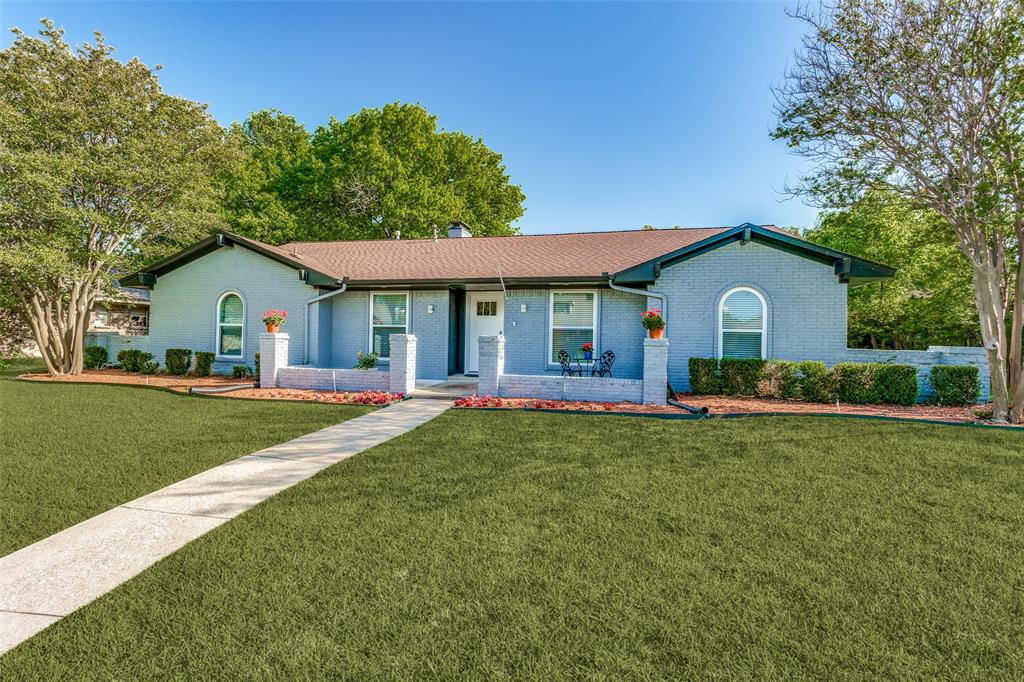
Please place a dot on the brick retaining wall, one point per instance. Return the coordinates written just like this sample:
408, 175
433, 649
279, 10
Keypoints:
326, 379
924, 360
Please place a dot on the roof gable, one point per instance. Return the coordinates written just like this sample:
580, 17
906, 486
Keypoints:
309, 269
850, 269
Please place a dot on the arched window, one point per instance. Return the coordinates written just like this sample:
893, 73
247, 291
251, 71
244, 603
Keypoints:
742, 324
230, 325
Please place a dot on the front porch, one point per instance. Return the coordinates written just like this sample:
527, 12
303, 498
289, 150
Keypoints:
401, 375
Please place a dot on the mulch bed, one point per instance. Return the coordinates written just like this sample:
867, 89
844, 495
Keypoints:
183, 384
725, 404
116, 376
717, 404
720, 405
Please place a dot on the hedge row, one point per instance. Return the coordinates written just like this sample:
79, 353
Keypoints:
177, 361
849, 382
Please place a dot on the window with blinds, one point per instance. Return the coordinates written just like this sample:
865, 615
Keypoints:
388, 315
573, 322
742, 325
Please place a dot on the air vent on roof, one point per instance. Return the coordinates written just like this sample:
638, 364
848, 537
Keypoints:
458, 229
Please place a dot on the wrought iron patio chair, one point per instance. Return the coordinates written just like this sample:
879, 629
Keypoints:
567, 369
603, 366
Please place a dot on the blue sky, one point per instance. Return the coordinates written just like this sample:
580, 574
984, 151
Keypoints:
610, 115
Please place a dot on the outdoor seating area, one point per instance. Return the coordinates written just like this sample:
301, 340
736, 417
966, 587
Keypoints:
586, 366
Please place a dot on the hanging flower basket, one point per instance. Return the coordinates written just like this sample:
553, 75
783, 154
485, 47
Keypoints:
653, 322
274, 319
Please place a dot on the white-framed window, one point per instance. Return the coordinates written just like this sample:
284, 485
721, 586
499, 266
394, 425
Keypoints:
573, 316
742, 324
389, 314
230, 325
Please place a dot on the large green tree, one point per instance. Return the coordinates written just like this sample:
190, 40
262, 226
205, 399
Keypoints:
930, 301
925, 98
98, 168
389, 170
263, 187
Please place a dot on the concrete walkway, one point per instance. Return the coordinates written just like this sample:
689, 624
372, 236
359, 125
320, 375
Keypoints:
42, 583
457, 386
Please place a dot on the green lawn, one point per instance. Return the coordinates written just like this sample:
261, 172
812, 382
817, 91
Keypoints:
517, 545
71, 451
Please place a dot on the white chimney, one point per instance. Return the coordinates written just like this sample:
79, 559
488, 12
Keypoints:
457, 229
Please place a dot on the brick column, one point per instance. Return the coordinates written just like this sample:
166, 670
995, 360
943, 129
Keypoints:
492, 364
402, 372
273, 356
655, 371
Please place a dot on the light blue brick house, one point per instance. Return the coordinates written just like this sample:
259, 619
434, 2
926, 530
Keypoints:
746, 291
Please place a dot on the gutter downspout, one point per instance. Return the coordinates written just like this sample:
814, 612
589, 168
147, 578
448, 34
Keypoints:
642, 292
344, 286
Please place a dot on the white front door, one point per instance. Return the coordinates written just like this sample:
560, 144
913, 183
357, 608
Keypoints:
486, 313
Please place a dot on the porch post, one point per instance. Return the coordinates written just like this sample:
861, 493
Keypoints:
492, 364
656, 371
402, 372
273, 356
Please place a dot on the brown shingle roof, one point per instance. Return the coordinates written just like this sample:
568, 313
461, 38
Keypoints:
551, 256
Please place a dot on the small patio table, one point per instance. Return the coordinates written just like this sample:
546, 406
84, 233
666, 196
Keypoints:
580, 361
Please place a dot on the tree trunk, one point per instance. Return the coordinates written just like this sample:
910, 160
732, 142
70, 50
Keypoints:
992, 315
1016, 358
59, 321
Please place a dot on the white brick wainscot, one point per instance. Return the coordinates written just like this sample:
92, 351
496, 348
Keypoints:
397, 377
651, 389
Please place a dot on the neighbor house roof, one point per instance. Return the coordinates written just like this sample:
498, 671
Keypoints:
631, 256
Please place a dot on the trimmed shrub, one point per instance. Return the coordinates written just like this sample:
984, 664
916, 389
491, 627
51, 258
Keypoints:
149, 367
855, 381
128, 360
204, 363
95, 357
895, 385
177, 361
133, 360
705, 378
241, 371
779, 379
256, 374
955, 384
740, 375
817, 383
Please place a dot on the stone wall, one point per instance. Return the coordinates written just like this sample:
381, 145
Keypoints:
570, 388
325, 379
924, 360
